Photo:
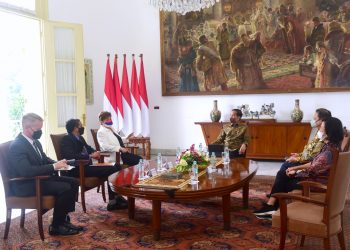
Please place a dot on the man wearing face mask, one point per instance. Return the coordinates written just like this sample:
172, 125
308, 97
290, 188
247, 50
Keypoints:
315, 145
111, 141
74, 146
317, 169
235, 135
27, 159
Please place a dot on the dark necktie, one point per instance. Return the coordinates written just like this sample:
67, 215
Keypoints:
37, 149
120, 140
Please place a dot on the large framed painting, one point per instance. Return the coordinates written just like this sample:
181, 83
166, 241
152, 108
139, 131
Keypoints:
257, 46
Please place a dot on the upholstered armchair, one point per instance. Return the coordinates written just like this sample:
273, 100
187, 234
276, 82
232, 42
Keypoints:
316, 217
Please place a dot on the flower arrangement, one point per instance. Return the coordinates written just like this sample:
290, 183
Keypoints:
188, 157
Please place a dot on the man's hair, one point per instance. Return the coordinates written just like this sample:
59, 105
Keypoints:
30, 118
71, 124
308, 48
104, 115
202, 39
323, 113
238, 112
316, 19
334, 130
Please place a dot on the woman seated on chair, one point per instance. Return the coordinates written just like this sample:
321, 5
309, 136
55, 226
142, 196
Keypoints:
331, 132
111, 141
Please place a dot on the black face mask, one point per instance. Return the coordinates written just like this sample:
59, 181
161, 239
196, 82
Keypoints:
37, 134
81, 130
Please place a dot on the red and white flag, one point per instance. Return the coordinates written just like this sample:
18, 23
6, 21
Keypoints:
127, 104
144, 101
109, 97
118, 94
135, 99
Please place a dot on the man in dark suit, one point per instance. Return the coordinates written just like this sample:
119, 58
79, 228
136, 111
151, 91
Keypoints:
27, 159
74, 146
317, 34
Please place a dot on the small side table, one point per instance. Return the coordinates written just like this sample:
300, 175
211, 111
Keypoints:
145, 143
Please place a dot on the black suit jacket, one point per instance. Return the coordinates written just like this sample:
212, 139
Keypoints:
24, 161
72, 148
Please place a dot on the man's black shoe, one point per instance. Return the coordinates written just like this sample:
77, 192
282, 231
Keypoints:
116, 205
121, 200
74, 227
264, 217
62, 230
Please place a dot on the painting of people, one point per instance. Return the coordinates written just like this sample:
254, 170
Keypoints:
257, 46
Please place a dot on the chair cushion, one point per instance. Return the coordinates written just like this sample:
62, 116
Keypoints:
48, 202
306, 218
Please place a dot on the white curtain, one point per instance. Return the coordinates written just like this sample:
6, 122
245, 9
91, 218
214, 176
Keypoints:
65, 75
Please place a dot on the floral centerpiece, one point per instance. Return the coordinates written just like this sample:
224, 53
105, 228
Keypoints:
189, 156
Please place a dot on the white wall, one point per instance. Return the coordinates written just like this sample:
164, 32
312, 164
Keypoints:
132, 26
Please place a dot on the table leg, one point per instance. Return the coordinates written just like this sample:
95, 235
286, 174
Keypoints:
131, 207
156, 213
245, 195
226, 205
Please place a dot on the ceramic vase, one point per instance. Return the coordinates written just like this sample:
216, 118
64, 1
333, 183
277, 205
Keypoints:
215, 114
297, 114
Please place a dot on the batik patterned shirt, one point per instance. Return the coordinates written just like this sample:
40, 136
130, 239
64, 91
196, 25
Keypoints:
310, 149
233, 136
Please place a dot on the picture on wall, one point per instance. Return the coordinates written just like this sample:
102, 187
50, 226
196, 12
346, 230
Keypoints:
89, 91
257, 46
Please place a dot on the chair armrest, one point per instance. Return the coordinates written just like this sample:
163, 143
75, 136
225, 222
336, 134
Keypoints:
308, 184
312, 184
282, 197
41, 177
105, 154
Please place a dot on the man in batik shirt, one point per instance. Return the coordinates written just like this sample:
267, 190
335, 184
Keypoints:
235, 135
314, 146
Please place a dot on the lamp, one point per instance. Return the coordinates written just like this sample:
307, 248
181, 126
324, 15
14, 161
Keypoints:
182, 6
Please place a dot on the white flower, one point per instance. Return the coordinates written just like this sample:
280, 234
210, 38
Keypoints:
183, 162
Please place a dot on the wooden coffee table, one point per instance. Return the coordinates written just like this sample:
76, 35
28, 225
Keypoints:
219, 184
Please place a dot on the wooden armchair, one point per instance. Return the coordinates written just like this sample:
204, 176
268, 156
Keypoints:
308, 216
86, 183
41, 203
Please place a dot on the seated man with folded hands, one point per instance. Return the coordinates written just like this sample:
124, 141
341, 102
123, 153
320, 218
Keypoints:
74, 146
235, 135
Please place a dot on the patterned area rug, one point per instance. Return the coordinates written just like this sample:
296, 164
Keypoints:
186, 225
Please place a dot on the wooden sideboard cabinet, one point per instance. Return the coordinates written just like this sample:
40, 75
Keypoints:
269, 139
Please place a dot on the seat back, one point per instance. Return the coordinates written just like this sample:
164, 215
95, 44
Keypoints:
56, 141
338, 185
345, 144
94, 137
4, 151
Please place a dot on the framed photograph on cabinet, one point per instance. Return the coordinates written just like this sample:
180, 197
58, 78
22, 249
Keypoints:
253, 46
88, 81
